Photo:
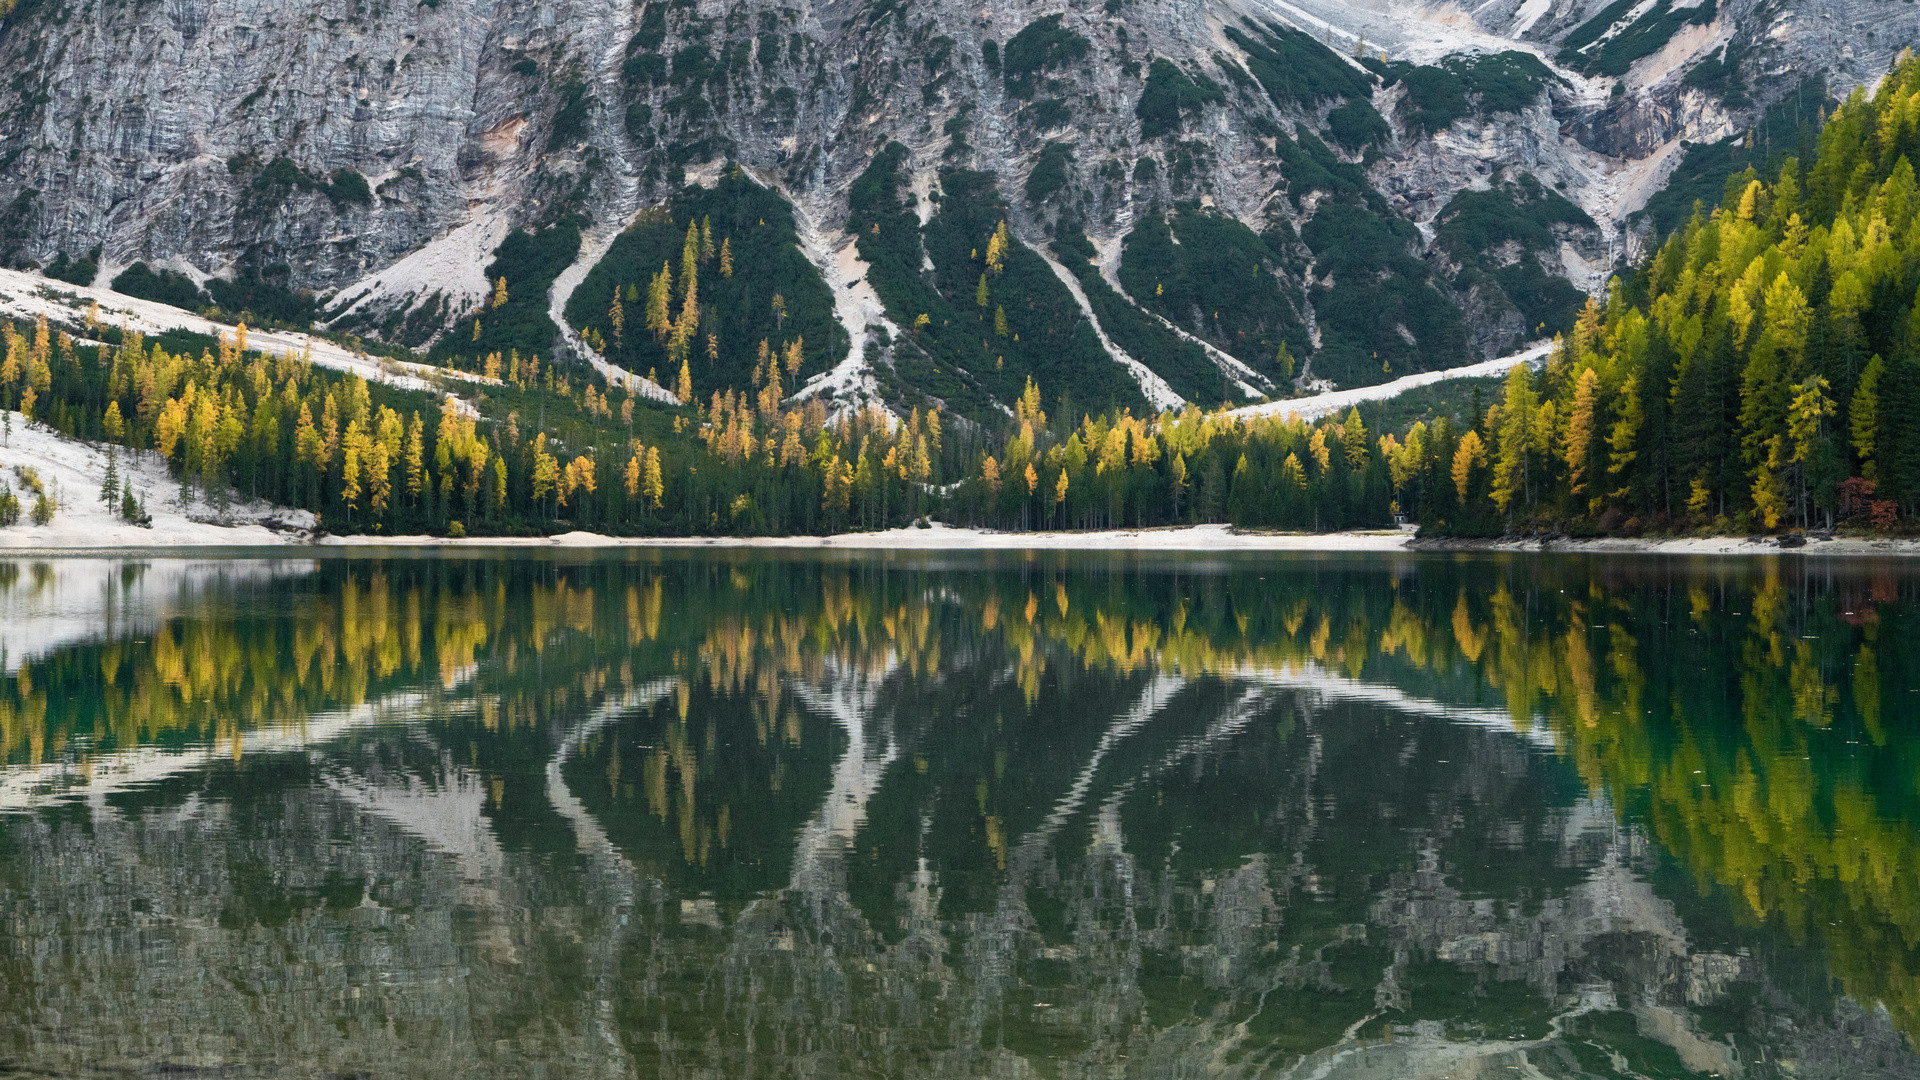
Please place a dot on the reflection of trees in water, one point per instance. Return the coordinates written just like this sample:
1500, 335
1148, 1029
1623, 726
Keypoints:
901, 815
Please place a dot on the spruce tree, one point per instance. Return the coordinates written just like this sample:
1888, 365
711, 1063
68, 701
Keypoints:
110, 483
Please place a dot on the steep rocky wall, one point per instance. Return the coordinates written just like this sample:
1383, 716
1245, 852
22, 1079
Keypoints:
318, 144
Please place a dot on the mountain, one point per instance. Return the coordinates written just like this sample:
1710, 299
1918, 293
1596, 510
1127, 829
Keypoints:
1202, 202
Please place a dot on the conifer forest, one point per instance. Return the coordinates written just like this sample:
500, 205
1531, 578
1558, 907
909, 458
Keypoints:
1759, 370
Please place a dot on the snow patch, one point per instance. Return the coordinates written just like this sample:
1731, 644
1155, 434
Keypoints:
1159, 395
1530, 12
29, 296
1312, 408
1688, 42
74, 471
849, 382
454, 264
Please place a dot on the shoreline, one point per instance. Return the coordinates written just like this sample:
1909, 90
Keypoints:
29, 541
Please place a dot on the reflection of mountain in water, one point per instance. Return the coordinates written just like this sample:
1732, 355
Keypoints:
742, 819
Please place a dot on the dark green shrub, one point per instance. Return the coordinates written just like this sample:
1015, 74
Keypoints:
1219, 283
349, 188
1356, 124
570, 122
529, 260
967, 363
1378, 287
162, 287
1047, 114
1186, 367
1435, 98
1171, 94
264, 293
1049, 174
1296, 70
80, 271
1644, 36
1043, 45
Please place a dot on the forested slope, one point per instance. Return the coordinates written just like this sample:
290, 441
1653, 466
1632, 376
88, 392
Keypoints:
1757, 372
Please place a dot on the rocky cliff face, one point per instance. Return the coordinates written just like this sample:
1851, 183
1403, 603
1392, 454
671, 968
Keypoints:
374, 154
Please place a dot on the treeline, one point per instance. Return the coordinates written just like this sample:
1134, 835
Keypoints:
1117, 470
554, 449
1759, 372
234, 422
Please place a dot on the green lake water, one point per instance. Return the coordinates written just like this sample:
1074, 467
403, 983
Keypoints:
739, 815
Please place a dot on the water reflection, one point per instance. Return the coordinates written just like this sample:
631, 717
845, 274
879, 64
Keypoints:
751, 815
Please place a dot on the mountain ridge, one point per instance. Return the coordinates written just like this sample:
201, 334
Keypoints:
363, 164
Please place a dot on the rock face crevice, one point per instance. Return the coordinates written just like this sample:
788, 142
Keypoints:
373, 153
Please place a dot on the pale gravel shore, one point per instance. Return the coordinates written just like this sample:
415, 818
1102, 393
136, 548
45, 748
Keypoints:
1709, 545
189, 537
1196, 538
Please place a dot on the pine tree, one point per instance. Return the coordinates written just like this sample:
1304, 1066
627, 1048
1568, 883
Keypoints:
1769, 489
726, 257
659, 291
690, 258
655, 487
1581, 427
1471, 454
350, 470
131, 511
1806, 427
1354, 437
110, 482
546, 474
997, 249
980, 294
1513, 439
1863, 416
1623, 440
499, 294
415, 456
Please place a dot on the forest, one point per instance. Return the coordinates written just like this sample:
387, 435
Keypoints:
1757, 372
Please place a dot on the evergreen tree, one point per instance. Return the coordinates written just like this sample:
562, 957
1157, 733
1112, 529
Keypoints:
110, 481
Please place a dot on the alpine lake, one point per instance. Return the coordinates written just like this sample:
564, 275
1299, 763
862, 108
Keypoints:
753, 814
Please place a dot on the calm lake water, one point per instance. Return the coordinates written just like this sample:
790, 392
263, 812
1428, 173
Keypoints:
744, 815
